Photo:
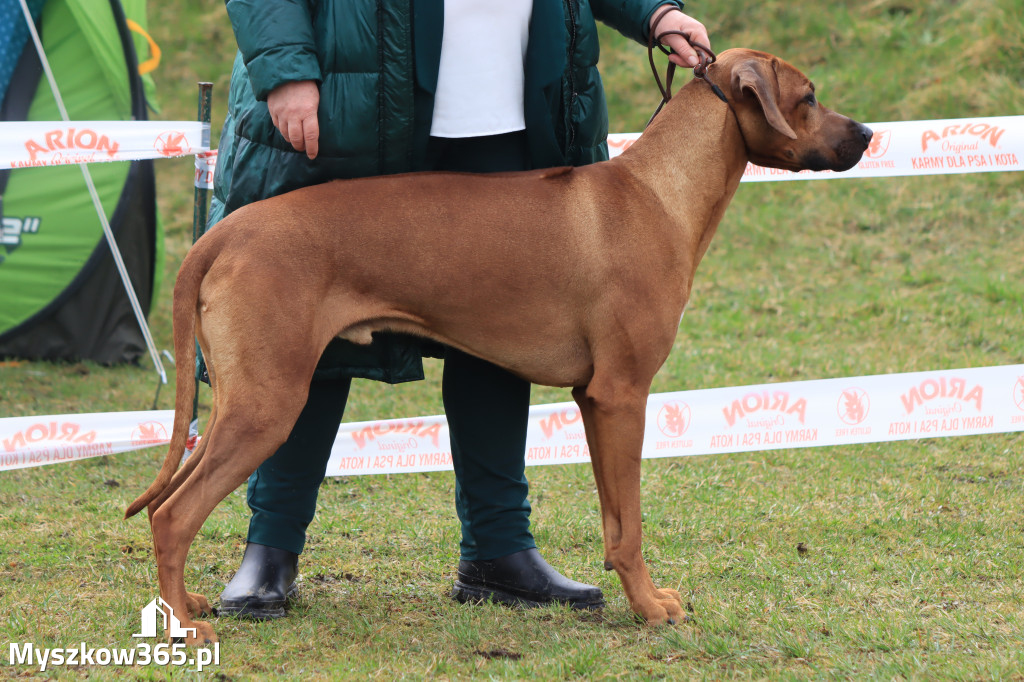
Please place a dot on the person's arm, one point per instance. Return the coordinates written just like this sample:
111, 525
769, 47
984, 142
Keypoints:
633, 18
276, 40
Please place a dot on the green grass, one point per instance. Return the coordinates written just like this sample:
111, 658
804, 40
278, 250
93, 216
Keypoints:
913, 561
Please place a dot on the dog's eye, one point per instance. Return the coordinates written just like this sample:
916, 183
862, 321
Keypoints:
810, 100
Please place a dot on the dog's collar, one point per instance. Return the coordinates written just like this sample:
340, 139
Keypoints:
701, 71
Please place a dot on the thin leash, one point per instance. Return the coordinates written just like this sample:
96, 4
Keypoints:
704, 54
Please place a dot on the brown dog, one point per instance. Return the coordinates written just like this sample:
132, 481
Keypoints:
571, 277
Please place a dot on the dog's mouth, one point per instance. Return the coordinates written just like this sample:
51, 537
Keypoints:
843, 156
816, 161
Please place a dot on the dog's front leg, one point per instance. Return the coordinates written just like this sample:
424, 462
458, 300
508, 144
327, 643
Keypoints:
613, 416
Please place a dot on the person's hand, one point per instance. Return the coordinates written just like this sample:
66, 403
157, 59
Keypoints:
293, 108
674, 20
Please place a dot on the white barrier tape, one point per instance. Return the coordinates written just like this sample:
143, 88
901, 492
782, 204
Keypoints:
34, 441
27, 144
898, 148
935, 147
940, 147
740, 419
844, 411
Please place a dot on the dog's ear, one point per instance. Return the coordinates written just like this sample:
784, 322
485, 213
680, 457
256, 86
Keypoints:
759, 77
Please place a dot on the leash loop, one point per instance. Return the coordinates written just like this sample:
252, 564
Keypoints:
704, 54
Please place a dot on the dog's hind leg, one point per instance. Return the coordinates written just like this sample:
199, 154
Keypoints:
190, 464
613, 415
248, 429
197, 604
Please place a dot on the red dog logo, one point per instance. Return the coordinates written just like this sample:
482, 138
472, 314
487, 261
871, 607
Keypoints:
674, 419
149, 433
171, 143
853, 406
879, 144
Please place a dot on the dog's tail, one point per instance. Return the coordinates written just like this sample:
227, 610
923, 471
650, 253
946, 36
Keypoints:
186, 301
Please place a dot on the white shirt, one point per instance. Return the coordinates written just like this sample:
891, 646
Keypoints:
480, 81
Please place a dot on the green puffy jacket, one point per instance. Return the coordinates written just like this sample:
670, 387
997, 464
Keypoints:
376, 102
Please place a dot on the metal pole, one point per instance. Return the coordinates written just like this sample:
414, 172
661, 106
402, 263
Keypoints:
200, 206
199, 217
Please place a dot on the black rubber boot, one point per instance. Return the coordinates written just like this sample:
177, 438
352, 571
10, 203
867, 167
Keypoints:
522, 579
263, 584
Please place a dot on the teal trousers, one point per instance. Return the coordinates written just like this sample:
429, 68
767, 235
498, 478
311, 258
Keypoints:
487, 410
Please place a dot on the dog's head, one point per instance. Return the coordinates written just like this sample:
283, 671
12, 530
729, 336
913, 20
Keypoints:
783, 123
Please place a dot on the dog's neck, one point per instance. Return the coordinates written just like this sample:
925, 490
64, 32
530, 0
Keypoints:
692, 156
696, 135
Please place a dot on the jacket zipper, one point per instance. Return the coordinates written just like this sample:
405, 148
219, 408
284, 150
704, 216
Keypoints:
571, 6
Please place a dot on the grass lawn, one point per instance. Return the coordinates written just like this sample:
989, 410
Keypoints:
911, 559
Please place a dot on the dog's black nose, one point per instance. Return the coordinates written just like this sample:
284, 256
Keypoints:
865, 133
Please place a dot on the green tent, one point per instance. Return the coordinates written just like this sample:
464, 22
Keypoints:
62, 297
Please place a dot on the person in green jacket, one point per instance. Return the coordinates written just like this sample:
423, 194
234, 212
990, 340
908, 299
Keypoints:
332, 89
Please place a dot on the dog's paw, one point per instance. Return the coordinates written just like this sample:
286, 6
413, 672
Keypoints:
668, 593
198, 605
204, 635
664, 608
